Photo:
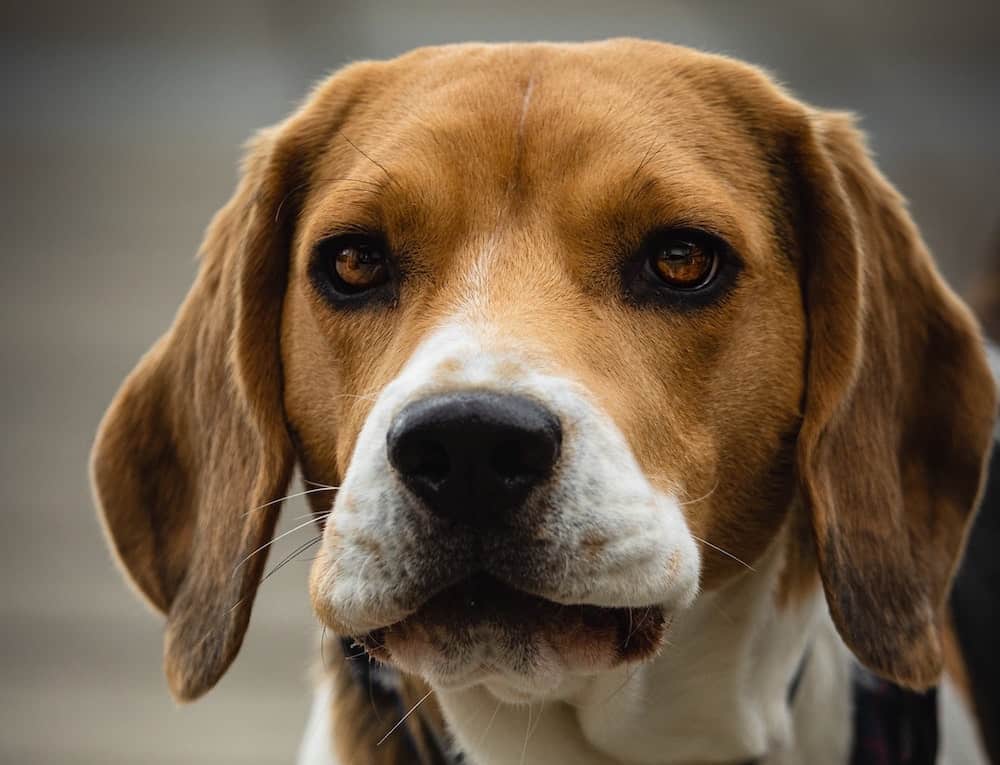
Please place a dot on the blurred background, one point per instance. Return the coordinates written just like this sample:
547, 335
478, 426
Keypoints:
122, 131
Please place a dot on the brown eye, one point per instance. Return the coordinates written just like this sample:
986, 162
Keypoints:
684, 264
352, 269
360, 267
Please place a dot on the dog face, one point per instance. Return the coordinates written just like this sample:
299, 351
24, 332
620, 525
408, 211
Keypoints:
604, 283
568, 327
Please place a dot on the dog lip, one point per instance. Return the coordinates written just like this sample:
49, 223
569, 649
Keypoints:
483, 600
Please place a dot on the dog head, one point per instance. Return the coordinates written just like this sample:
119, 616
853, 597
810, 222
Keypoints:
568, 327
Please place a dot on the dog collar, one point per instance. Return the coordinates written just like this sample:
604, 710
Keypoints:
892, 725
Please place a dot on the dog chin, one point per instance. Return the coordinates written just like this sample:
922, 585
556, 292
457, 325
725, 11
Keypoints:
520, 646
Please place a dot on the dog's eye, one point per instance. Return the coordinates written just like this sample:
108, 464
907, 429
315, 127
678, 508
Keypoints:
352, 264
360, 267
681, 269
684, 261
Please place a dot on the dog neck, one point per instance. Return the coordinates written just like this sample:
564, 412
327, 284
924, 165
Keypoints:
718, 693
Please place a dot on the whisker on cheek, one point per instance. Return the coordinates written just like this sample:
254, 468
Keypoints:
705, 542
702, 498
725, 552
268, 544
361, 571
629, 674
486, 730
532, 727
632, 630
314, 516
672, 487
403, 718
321, 487
361, 396
288, 558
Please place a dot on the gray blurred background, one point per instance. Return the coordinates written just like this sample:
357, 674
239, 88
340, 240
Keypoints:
121, 133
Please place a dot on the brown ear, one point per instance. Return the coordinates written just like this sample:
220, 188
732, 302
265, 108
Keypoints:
899, 410
195, 441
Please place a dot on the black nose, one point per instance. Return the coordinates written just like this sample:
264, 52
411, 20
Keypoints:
473, 456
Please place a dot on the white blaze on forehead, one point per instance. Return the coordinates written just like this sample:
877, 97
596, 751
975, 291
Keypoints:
482, 266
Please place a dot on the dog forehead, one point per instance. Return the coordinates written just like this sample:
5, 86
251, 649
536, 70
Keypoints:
457, 141
493, 114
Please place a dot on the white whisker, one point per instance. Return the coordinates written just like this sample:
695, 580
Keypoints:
288, 496
533, 728
403, 718
527, 735
314, 516
725, 552
361, 571
629, 674
300, 549
702, 497
317, 483
268, 544
482, 738
362, 396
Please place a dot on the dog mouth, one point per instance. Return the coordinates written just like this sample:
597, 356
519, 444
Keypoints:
483, 620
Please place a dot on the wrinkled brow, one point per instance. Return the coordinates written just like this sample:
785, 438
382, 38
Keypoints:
416, 207
634, 202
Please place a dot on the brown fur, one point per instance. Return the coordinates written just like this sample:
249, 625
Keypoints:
356, 743
373, 714
840, 366
899, 415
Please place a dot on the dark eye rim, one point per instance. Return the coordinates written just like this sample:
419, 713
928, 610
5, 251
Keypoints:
325, 279
644, 285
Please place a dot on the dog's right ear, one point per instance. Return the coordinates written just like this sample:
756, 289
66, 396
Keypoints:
195, 440
193, 455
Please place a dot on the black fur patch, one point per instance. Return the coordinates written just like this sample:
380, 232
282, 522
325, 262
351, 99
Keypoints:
975, 609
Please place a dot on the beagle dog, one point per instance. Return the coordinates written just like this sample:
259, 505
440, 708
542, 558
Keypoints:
636, 421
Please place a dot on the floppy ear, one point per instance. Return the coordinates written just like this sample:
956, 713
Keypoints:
899, 409
195, 441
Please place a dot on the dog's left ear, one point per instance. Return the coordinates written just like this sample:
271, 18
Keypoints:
898, 412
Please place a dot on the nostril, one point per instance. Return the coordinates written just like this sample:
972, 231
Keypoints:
431, 461
423, 458
514, 460
507, 461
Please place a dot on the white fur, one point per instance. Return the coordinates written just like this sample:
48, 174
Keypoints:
649, 558
960, 744
716, 693
494, 733
317, 741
